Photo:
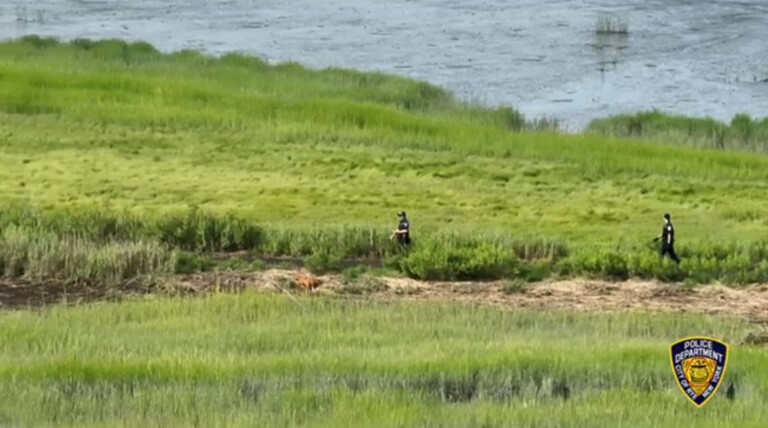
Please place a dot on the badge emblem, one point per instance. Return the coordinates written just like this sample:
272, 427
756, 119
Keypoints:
699, 365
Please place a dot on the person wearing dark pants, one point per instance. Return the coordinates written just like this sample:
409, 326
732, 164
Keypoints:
667, 238
403, 231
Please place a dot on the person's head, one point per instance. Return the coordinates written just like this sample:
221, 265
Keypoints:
401, 214
667, 218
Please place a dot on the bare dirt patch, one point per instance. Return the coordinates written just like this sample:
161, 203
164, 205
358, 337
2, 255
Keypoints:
20, 293
749, 302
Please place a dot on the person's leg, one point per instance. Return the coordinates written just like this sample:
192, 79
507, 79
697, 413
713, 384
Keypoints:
672, 254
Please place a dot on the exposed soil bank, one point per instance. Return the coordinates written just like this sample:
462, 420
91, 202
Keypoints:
748, 302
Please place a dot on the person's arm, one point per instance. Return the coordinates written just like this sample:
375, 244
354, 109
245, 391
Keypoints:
402, 231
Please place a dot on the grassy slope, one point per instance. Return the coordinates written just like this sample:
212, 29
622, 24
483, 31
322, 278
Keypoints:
120, 126
265, 361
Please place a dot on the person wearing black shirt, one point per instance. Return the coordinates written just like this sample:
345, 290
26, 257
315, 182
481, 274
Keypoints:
403, 231
668, 239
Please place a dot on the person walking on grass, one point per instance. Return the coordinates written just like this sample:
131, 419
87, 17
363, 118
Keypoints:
668, 239
403, 231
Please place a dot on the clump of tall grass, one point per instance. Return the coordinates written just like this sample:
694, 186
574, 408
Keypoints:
742, 133
608, 25
455, 257
193, 230
41, 256
343, 242
701, 263
204, 232
27, 16
430, 261
543, 124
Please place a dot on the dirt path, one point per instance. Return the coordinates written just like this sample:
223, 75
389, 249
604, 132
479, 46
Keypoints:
748, 302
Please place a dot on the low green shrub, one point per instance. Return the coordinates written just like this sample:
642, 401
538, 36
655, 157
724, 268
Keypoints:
431, 261
515, 286
354, 273
199, 231
323, 262
365, 284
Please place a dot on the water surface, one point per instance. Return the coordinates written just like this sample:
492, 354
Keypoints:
694, 57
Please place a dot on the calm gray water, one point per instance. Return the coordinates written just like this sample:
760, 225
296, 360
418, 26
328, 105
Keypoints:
694, 57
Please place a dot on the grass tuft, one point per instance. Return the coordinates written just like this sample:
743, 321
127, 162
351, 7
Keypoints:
608, 25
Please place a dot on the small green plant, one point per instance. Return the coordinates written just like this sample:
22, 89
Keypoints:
689, 285
323, 262
354, 273
515, 286
535, 271
257, 265
549, 124
188, 262
365, 284
287, 283
285, 265
233, 263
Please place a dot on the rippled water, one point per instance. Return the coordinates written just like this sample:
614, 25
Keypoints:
694, 57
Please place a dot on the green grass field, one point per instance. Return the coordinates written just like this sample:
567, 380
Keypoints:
118, 126
122, 165
263, 360
320, 160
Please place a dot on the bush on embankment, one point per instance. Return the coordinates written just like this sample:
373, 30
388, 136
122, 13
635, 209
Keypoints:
743, 133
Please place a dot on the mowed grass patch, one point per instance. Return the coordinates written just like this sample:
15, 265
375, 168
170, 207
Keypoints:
267, 360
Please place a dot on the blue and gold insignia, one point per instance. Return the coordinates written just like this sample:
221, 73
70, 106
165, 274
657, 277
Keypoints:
699, 365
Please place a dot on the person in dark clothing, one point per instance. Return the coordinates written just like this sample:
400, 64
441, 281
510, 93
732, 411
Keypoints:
667, 238
403, 231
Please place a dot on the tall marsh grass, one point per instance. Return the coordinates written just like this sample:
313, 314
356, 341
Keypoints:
263, 360
74, 260
742, 133
608, 25
102, 247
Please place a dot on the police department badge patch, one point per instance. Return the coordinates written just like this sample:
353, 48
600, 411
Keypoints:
699, 365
